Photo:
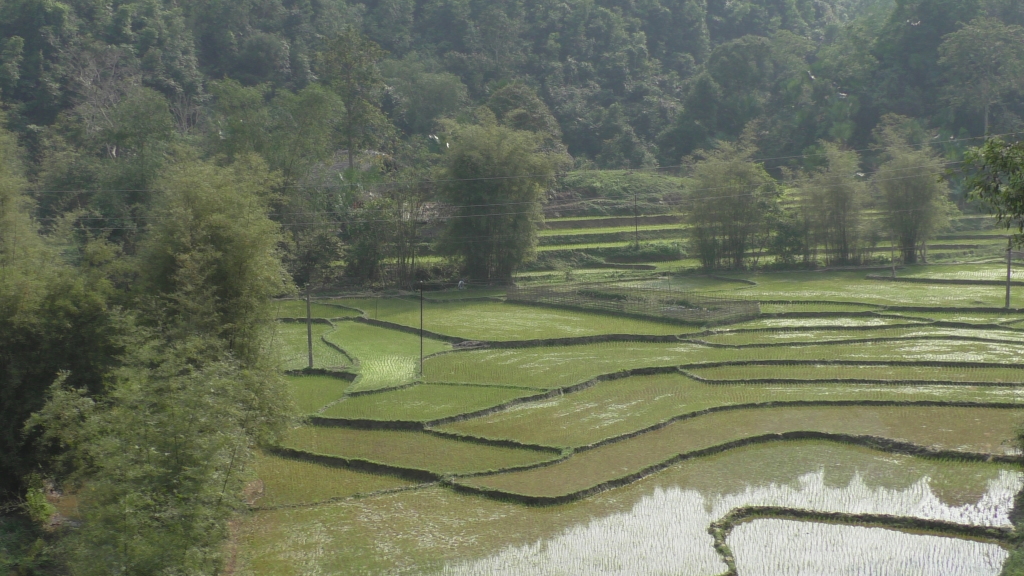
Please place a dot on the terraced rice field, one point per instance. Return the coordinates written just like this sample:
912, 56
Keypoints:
857, 427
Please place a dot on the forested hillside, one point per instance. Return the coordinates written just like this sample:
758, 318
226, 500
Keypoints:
106, 96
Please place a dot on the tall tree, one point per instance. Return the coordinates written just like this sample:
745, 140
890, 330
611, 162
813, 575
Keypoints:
52, 320
496, 180
348, 65
833, 201
210, 264
731, 199
984, 61
161, 460
913, 199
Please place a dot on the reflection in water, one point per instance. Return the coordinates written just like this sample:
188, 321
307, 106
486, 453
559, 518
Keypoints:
771, 547
666, 531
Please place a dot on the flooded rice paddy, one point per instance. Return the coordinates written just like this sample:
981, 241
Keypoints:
524, 458
771, 547
655, 526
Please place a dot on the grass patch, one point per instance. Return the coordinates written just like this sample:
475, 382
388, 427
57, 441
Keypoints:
292, 345
289, 482
386, 357
410, 449
312, 393
983, 430
622, 406
423, 402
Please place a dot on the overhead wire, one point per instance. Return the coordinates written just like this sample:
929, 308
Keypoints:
510, 177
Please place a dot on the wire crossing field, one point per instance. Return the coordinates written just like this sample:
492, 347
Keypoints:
542, 439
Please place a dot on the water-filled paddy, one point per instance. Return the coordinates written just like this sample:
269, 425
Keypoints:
558, 366
979, 430
387, 358
660, 521
423, 402
291, 482
892, 373
297, 309
311, 393
493, 320
769, 547
290, 339
415, 450
809, 334
621, 406
317, 518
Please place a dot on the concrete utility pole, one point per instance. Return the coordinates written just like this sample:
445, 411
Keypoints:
420, 286
309, 327
636, 223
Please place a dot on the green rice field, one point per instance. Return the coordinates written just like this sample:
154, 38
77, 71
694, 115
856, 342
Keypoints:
857, 426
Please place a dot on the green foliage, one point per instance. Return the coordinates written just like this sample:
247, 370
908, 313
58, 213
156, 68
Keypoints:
730, 202
496, 179
834, 201
163, 459
421, 94
51, 320
984, 61
996, 176
914, 200
211, 260
348, 66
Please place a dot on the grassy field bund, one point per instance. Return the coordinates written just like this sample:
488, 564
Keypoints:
856, 423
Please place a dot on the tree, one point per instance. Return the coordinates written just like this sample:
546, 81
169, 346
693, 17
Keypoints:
52, 320
496, 179
730, 202
348, 65
420, 96
995, 174
210, 264
913, 199
160, 459
984, 61
833, 201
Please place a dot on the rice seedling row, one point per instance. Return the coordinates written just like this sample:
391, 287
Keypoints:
417, 451
973, 430
292, 344
560, 366
617, 407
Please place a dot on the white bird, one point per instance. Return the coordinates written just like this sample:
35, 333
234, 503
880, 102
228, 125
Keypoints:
811, 75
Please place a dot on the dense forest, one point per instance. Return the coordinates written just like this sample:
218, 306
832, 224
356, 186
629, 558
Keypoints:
168, 167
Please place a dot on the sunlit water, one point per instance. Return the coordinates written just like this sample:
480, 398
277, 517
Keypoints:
772, 547
666, 531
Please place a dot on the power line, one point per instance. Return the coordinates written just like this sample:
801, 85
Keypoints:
792, 183
520, 176
486, 215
